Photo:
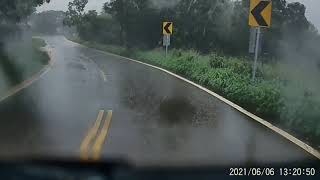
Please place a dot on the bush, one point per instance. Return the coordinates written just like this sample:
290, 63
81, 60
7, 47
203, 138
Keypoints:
303, 116
217, 61
262, 98
237, 65
24, 61
37, 43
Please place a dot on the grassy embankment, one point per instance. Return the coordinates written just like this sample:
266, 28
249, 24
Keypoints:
16, 68
231, 78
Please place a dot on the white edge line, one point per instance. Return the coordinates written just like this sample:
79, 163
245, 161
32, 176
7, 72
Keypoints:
283, 133
26, 83
102, 74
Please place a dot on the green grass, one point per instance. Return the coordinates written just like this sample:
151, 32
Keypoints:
103, 47
25, 61
38, 43
39, 56
230, 77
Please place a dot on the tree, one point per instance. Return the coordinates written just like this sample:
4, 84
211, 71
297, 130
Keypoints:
12, 12
139, 22
237, 41
90, 25
206, 25
203, 24
123, 11
75, 12
15, 10
119, 9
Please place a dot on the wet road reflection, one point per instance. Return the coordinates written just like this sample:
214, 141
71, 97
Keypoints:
157, 119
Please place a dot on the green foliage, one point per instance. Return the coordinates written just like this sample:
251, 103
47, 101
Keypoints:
303, 117
15, 10
38, 43
208, 25
139, 22
229, 77
237, 65
38, 55
103, 47
101, 29
12, 12
18, 68
75, 12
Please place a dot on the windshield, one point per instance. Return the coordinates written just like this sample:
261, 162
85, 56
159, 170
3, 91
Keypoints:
160, 82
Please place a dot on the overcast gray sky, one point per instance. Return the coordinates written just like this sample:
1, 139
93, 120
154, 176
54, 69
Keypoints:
63, 4
313, 12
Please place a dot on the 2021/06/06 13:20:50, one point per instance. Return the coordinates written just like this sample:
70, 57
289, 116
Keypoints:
272, 171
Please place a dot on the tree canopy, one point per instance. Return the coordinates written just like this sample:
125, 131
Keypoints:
15, 10
207, 25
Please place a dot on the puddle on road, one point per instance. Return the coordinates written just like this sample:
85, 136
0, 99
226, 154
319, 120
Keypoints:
168, 111
159, 100
176, 111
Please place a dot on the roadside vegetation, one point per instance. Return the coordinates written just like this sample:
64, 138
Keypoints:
20, 56
209, 46
39, 57
17, 68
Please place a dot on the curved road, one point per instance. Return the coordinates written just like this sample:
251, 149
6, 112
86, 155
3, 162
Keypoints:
156, 119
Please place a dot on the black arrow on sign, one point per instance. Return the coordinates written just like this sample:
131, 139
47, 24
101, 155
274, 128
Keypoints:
166, 28
256, 12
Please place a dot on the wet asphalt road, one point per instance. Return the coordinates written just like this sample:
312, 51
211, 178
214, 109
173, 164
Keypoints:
157, 119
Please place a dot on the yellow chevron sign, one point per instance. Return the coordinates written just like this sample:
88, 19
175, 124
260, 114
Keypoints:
260, 13
167, 28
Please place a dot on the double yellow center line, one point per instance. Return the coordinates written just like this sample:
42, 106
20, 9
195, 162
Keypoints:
96, 137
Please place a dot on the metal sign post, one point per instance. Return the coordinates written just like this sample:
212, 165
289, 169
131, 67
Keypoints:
256, 54
259, 16
167, 30
166, 51
166, 42
252, 40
